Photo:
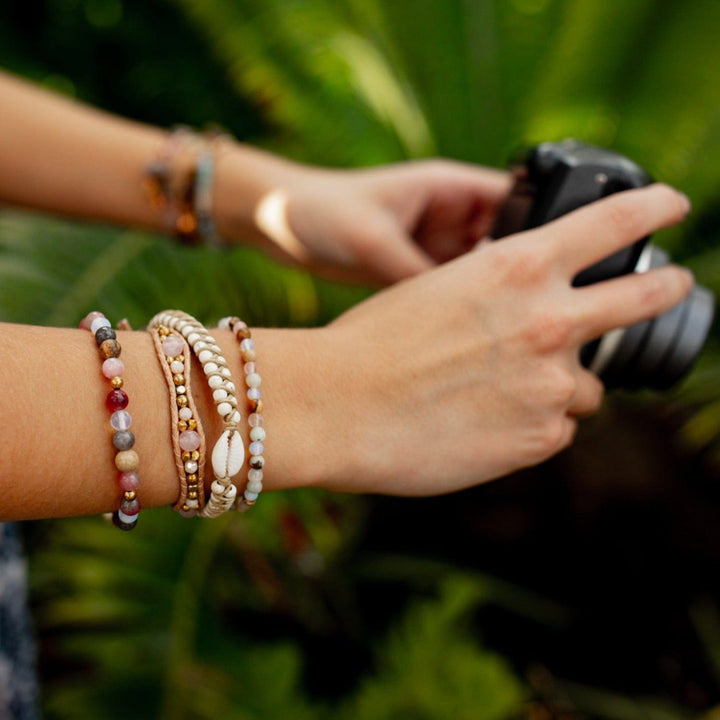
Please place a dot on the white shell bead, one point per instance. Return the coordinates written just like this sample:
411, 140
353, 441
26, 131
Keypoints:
230, 386
255, 486
210, 367
257, 433
224, 408
204, 356
219, 394
228, 454
192, 338
215, 381
221, 360
235, 417
226, 372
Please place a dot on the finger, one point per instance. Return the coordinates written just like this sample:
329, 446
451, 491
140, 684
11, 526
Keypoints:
629, 299
596, 231
392, 256
588, 396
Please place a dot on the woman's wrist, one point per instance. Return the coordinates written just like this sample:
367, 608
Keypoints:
244, 176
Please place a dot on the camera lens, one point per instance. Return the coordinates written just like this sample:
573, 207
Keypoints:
658, 352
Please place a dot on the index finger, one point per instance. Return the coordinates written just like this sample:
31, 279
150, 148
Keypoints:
596, 231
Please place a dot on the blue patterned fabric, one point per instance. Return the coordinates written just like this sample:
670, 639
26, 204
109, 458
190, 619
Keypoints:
18, 684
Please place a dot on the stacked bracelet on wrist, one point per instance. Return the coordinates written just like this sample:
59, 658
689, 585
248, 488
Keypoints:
179, 182
255, 407
126, 459
188, 439
228, 454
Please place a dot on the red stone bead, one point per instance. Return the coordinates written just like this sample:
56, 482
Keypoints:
116, 400
130, 507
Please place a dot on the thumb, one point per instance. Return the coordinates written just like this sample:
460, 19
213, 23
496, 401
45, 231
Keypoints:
393, 255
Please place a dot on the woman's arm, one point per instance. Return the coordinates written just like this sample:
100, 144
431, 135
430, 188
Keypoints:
454, 377
59, 155
376, 226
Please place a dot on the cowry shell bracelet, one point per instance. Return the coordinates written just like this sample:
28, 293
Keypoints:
228, 454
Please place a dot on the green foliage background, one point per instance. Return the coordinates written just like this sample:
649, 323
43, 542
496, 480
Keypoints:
311, 607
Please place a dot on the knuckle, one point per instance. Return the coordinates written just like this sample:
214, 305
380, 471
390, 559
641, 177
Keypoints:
556, 434
549, 331
654, 292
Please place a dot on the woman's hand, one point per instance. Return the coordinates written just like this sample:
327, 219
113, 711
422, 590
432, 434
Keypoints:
470, 371
383, 225
374, 226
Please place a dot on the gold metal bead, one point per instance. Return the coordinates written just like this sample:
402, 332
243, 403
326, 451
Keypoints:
169, 359
192, 477
130, 495
179, 379
182, 401
182, 425
195, 455
192, 494
116, 382
185, 508
185, 455
192, 424
258, 405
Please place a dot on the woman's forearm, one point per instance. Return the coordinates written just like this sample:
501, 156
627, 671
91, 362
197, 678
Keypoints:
57, 457
61, 156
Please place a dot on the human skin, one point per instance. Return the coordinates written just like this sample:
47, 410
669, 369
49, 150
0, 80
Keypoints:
456, 376
375, 225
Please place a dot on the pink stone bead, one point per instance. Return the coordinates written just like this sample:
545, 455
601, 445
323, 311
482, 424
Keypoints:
86, 322
128, 481
249, 368
113, 367
173, 346
255, 420
189, 440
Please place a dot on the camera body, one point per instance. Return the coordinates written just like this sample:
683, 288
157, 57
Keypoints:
555, 179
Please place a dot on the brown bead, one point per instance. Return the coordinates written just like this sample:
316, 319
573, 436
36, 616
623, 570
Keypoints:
242, 333
127, 460
116, 382
179, 379
109, 349
182, 401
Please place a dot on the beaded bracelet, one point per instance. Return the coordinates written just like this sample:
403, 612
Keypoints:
255, 406
228, 454
126, 459
188, 438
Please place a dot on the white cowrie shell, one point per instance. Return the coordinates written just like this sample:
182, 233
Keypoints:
228, 455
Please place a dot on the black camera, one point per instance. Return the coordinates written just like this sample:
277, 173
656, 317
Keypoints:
556, 178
